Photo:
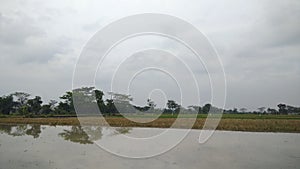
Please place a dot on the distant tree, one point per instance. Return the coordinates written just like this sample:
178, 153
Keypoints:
22, 97
6, 104
196, 109
46, 109
206, 108
24, 110
151, 104
298, 110
122, 102
282, 108
67, 98
110, 107
173, 106
292, 109
272, 111
35, 104
21, 103
232, 111
120, 98
52, 104
66, 105
99, 98
261, 109
149, 108
243, 110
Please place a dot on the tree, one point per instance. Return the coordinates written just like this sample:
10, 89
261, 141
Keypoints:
272, 111
67, 105
173, 106
86, 101
46, 109
122, 102
52, 104
99, 98
292, 109
243, 110
261, 109
195, 109
67, 98
6, 104
35, 104
22, 97
206, 108
110, 107
21, 104
23, 110
282, 108
120, 98
150, 107
151, 104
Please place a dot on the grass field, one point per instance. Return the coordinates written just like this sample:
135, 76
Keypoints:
233, 122
227, 116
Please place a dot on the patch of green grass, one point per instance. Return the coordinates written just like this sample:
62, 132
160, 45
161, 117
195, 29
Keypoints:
258, 116
224, 116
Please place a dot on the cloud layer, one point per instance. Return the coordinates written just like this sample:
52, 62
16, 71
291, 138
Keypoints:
258, 42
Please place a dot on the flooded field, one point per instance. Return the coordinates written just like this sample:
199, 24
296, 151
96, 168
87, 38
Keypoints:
74, 147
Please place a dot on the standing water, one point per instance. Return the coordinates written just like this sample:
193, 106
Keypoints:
61, 147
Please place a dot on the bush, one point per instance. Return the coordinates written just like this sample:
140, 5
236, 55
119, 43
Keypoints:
29, 115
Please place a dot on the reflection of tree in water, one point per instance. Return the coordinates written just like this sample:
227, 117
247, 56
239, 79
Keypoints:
88, 134
5, 129
82, 135
95, 133
21, 130
77, 134
122, 130
34, 131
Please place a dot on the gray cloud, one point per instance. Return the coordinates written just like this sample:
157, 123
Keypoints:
258, 42
10, 32
23, 41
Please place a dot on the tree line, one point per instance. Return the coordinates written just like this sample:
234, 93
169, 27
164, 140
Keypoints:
21, 103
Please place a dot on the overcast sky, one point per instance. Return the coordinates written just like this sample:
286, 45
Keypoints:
258, 42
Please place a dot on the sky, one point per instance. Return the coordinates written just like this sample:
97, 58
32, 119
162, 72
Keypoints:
258, 42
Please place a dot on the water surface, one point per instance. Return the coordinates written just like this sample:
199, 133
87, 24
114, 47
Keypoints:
71, 147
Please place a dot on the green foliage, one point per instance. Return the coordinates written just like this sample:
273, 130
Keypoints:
19, 103
173, 107
35, 105
6, 104
66, 106
206, 108
22, 97
46, 109
111, 108
23, 110
99, 98
282, 108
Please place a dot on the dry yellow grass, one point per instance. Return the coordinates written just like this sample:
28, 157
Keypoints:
260, 125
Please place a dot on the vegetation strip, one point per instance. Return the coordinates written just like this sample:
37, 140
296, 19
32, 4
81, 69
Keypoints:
253, 125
